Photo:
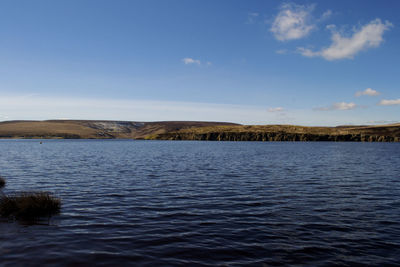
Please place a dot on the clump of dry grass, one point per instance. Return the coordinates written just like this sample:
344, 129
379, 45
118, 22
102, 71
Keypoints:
2, 182
29, 205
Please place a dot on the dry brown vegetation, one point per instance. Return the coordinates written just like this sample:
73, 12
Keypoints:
45, 129
154, 128
29, 206
86, 129
2, 182
383, 133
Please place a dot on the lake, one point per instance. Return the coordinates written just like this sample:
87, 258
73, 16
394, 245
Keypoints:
205, 203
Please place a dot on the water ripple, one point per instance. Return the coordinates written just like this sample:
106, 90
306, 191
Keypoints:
206, 203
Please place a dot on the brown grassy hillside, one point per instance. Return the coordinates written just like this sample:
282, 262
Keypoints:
93, 129
45, 129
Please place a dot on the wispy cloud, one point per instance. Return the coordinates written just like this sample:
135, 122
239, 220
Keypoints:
327, 14
344, 106
369, 36
252, 17
281, 51
368, 92
277, 109
392, 102
192, 61
43, 108
382, 122
338, 106
292, 22
18, 107
188, 60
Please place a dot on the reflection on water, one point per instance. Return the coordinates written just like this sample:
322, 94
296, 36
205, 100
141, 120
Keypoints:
206, 203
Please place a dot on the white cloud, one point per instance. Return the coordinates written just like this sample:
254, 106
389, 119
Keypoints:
369, 36
344, 106
188, 60
339, 106
385, 102
277, 109
292, 22
307, 52
368, 92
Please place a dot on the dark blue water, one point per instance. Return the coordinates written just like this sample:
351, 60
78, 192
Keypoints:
206, 203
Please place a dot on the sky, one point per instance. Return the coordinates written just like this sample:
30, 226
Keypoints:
322, 63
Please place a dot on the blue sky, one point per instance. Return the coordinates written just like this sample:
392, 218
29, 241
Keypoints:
252, 62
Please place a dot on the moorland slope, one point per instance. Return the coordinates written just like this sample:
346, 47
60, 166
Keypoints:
194, 130
381, 133
94, 129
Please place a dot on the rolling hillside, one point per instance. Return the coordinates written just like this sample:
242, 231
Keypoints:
192, 130
77, 129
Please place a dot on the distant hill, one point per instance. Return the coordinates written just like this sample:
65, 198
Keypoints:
87, 129
194, 130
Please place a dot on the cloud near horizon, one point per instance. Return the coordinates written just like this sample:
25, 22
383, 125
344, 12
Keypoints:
369, 36
277, 109
392, 102
338, 106
383, 122
45, 108
367, 92
292, 22
37, 107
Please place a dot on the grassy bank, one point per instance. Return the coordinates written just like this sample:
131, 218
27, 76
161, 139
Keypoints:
2, 182
387, 133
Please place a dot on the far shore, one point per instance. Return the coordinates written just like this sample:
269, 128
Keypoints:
193, 130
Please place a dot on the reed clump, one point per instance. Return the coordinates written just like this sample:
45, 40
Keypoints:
2, 182
29, 205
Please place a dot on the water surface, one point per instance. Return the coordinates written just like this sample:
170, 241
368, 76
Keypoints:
206, 203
